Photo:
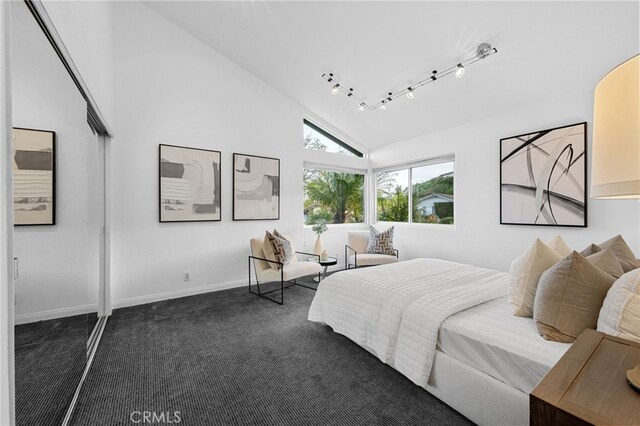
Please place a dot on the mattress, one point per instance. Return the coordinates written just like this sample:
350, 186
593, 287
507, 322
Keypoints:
397, 309
489, 338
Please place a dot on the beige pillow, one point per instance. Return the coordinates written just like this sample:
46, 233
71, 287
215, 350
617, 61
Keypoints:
569, 298
558, 245
592, 249
524, 274
622, 251
620, 313
607, 261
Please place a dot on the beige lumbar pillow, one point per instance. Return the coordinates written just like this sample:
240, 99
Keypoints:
622, 251
620, 313
524, 274
569, 298
607, 261
558, 245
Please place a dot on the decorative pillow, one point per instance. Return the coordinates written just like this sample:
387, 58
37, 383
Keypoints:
524, 275
592, 249
607, 261
381, 242
622, 251
569, 298
558, 245
277, 249
620, 313
293, 258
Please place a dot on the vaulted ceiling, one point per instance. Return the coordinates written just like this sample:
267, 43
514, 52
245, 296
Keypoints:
547, 50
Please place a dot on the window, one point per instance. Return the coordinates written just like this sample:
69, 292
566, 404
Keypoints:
335, 196
430, 193
318, 139
393, 196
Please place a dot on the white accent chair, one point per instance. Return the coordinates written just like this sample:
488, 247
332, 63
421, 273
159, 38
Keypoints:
355, 252
264, 273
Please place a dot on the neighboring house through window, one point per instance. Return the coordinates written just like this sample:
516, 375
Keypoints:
431, 192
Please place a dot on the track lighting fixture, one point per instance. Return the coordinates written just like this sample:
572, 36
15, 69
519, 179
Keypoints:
482, 51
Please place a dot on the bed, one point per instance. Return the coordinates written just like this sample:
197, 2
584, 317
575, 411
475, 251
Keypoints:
448, 328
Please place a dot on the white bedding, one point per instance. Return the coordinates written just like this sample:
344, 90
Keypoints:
489, 338
396, 310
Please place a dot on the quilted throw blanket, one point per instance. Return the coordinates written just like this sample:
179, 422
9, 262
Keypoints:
396, 310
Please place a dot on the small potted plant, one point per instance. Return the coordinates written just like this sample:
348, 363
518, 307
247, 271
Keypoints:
319, 227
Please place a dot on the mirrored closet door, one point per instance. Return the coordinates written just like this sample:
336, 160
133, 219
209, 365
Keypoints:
58, 201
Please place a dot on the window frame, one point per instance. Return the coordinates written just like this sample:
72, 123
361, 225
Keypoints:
448, 158
332, 138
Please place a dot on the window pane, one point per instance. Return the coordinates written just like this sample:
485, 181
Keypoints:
315, 140
432, 190
392, 190
337, 197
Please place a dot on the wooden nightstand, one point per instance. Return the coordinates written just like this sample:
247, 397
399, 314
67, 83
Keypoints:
589, 385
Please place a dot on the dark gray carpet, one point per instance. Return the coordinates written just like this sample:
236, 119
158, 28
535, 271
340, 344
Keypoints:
50, 358
230, 358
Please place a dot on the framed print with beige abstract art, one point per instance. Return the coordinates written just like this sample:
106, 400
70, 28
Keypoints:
190, 189
256, 187
34, 177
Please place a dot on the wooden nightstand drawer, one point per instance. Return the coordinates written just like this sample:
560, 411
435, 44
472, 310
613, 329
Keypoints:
588, 385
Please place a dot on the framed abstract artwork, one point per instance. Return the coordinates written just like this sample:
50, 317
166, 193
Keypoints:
34, 177
256, 187
190, 188
543, 177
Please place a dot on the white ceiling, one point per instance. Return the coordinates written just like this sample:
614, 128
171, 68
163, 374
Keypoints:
546, 50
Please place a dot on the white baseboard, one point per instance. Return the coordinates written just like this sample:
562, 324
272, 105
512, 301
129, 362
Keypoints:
54, 313
157, 297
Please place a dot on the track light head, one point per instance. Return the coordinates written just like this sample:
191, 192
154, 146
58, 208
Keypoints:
335, 89
484, 50
410, 93
460, 71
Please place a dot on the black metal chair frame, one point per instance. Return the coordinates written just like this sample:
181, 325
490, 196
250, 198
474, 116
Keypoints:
347, 265
282, 281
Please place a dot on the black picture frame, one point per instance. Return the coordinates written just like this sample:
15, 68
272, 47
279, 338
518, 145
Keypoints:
256, 187
188, 178
523, 164
34, 165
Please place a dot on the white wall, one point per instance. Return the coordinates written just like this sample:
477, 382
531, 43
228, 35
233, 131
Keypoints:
171, 88
86, 29
57, 263
478, 238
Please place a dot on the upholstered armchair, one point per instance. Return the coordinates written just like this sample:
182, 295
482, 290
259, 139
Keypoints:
355, 252
264, 273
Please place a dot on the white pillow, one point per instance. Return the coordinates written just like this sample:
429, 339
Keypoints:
558, 245
524, 275
620, 313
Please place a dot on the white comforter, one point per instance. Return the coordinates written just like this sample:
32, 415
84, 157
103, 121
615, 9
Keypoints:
396, 310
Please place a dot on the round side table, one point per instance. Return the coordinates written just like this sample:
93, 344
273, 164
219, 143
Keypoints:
325, 264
